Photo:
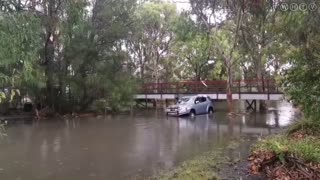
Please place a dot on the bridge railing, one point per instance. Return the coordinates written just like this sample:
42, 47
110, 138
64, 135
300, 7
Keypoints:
202, 87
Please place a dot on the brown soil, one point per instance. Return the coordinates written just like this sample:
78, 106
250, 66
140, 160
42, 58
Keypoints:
292, 169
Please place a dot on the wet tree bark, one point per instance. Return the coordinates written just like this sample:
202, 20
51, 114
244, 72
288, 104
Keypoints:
229, 84
259, 65
49, 50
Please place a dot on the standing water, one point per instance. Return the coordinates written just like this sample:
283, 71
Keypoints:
123, 146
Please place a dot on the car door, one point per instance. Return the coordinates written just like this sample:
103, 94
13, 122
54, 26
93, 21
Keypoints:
197, 105
203, 105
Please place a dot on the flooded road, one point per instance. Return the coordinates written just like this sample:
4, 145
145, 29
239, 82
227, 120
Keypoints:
123, 146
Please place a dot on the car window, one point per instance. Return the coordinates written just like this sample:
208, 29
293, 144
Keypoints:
183, 100
203, 99
198, 99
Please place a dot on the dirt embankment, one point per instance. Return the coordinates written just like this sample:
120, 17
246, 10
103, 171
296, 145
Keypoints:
291, 156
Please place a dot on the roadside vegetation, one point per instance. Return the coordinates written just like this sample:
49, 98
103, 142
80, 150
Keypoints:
207, 165
296, 153
75, 56
200, 167
69, 56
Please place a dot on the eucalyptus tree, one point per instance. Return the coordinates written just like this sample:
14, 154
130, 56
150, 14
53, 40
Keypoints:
195, 56
260, 41
19, 52
221, 20
89, 58
256, 39
75, 47
18, 48
192, 49
301, 80
151, 38
95, 54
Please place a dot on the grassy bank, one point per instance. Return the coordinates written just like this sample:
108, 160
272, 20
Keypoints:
294, 154
201, 167
206, 166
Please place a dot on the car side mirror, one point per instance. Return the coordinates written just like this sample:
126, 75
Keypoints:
197, 102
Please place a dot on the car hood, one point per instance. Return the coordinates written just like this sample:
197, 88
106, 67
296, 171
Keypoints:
176, 106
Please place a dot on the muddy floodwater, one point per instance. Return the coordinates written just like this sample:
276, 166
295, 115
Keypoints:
120, 147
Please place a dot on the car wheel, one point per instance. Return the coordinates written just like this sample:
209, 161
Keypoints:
192, 113
210, 111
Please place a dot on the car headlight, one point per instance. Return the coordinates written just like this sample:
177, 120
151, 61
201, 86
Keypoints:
184, 109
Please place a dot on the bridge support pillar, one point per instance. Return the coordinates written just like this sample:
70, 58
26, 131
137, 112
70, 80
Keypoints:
154, 103
159, 103
251, 105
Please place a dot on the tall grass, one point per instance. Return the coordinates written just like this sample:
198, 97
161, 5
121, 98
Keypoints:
307, 149
200, 167
307, 126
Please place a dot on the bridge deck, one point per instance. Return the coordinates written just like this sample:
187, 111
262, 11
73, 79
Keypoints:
246, 96
241, 90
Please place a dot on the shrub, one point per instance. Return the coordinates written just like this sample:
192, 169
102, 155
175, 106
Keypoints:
306, 126
308, 149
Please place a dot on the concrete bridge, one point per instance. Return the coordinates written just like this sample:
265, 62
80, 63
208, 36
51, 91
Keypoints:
248, 90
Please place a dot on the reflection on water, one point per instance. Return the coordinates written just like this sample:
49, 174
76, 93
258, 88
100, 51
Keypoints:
123, 146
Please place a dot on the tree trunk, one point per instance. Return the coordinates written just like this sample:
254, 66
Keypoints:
261, 88
197, 73
260, 66
142, 73
49, 50
229, 85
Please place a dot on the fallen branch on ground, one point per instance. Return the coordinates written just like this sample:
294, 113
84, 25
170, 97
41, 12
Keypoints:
289, 168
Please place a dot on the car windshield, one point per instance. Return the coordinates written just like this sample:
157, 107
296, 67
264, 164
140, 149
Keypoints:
183, 100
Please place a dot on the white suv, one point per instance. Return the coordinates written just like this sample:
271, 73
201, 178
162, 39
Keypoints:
191, 105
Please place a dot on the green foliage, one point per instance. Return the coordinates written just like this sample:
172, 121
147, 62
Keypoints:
100, 106
185, 28
151, 38
194, 54
2, 97
19, 50
201, 167
305, 126
302, 79
122, 94
74, 53
307, 148
302, 85
19, 55
67, 56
